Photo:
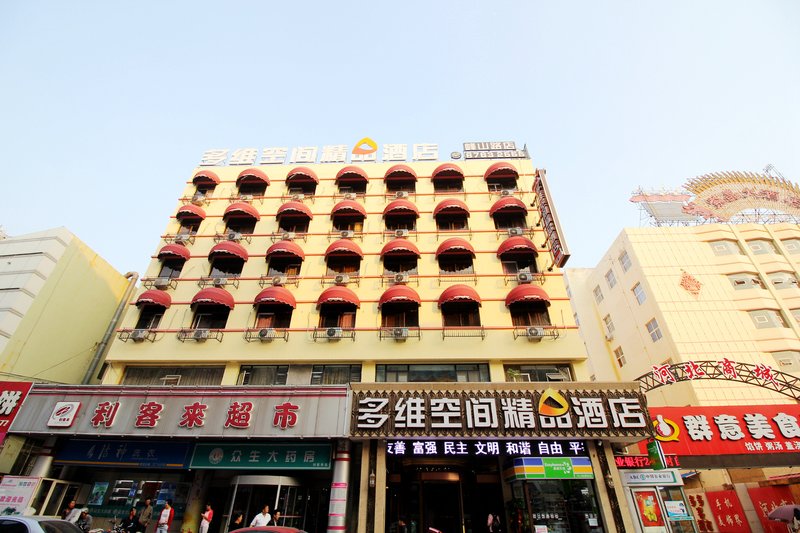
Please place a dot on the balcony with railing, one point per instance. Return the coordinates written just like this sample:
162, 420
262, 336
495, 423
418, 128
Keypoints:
266, 334
199, 334
333, 333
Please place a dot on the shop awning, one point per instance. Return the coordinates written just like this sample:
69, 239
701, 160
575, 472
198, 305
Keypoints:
402, 172
228, 248
455, 245
448, 170
338, 295
174, 250
501, 169
348, 207
302, 174
241, 209
294, 209
190, 211
401, 207
451, 205
285, 247
527, 293
459, 293
399, 247
399, 294
214, 296
351, 173
205, 176
251, 175
515, 244
344, 247
154, 297
508, 204
275, 295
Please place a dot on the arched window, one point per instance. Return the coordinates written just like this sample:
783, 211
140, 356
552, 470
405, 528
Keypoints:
172, 258
399, 306
517, 255
501, 176
227, 261
189, 217
460, 307
448, 178
455, 257
528, 306
294, 217
152, 305
240, 219
251, 183
509, 212
205, 182
273, 307
400, 215
284, 258
211, 307
352, 180
301, 181
451, 215
400, 178
337, 313
399, 256
343, 257
348, 216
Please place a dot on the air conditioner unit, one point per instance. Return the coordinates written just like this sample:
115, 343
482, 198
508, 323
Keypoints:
161, 283
401, 278
341, 279
200, 334
278, 280
349, 196
333, 333
515, 232
507, 192
198, 199
219, 282
266, 334
288, 235
298, 197
534, 332
347, 234
246, 197
234, 236
401, 194
183, 237
609, 337
524, 277
400, 333
401, 233
139, 335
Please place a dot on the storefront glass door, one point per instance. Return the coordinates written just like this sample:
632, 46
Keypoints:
563, 505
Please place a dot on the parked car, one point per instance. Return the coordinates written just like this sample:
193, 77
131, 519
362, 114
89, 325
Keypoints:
262, 529
36, 524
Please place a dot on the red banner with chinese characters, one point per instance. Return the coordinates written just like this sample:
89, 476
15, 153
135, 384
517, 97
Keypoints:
643, 461
727, 430
12, 394
728, 511
765, 500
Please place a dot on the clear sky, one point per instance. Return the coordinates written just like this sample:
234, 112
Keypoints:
106, 107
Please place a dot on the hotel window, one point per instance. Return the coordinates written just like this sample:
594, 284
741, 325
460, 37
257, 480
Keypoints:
745, 280
335, 315
149, 317
244, 225
609, 325
252, 183
171, 267
625, 261
400, 314
447, 178
792, 246
598, 294
611, 279
456, 263
782, 280
529, 313
767, 318
504, 178
263, 374
538, 373
461, 314
399, 264
293, 224
509, 212
335, 374
654, 330
619, 356
725, 247
343, 264
445, 373
225, 266
452, 221
189, 226
349, 219
301, 181
284, 265
175, 375
400, 179
210, 316
762, 246
273, 315
352, 180
638, 292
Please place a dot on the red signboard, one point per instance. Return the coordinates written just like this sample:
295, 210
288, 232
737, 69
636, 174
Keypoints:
728, 430
642, 461
12, 394
765, 500
728, 511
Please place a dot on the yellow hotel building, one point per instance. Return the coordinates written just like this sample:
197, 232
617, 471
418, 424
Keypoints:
340, 290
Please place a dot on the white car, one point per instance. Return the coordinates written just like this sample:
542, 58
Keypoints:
36, 524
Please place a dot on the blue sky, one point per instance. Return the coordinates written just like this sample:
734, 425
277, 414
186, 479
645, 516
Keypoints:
106, 104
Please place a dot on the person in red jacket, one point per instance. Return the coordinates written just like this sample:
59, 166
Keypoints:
165, 518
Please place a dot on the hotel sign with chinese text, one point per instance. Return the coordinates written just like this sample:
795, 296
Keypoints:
199, 412
494, 150
550, 223
507, 411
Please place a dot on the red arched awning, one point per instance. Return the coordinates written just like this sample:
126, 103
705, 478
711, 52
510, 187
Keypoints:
459, 293
399, 294
400, 172
508, 204
190, 211
399, 247
451, 205
515, 244
302, 174
154, 297
344, 247
338, 295
294, 209
455, 244
251, 175
285, 247
214, 296
501, 169
174, 250
275, 295
229, 248
351, 173
205, 176
449, 171
527, 293
348, 207
401, 207
241, 209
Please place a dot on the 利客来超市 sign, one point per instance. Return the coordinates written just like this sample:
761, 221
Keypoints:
508, 410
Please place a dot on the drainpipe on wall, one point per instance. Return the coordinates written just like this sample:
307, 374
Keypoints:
102, 348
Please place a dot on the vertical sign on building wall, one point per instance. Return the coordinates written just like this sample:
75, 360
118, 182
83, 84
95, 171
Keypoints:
552, 228
12, 394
